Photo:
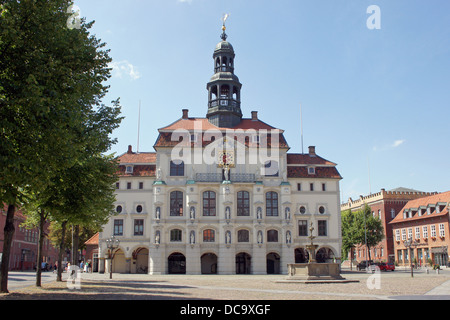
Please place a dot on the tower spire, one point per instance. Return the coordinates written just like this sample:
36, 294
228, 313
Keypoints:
224, 28
224, 88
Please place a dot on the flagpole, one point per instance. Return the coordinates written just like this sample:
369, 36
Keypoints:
301, 125
139, 126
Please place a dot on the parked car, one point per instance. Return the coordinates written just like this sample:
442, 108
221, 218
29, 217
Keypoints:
373, 267
364, 264
387, 266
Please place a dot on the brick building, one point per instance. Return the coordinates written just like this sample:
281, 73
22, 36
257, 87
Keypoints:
385, 205
426, 222
25, 244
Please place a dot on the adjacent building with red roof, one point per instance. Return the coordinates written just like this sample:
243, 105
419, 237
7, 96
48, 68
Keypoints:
425, 222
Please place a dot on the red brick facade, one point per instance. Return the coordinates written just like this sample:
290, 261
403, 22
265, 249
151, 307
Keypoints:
384, 205
426, 222
25, 244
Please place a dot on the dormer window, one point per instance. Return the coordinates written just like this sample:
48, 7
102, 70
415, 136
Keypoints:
311, 170
129, 169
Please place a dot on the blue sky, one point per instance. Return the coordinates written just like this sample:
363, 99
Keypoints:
375, 101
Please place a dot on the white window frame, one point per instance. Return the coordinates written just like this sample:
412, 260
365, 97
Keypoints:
417, 232
433, 231
441, 230
425, 232
397, 235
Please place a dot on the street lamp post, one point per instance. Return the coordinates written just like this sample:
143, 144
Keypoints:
112, 244
410, 244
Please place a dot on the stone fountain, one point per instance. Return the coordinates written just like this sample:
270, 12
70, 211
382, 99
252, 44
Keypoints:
313, 272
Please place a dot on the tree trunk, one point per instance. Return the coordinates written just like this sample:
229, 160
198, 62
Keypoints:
41, 243
8, 237
61, 249
75, 245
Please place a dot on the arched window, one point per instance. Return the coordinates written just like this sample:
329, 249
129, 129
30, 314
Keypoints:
272, 236
243, 236
243, 203
209, 203
271, 204
176, 203
176, 168
209, 235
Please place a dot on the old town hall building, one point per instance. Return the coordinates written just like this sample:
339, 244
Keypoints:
222, 194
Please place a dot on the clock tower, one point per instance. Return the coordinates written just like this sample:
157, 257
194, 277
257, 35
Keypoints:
224, 89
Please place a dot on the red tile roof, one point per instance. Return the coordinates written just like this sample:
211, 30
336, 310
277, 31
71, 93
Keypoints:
320, 172
203, 124
299, 158
424, 202
134, 158
93, 240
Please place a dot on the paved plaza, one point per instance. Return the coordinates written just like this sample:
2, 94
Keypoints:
396, 285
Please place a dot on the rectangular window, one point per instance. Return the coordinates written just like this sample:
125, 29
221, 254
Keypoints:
417, 232
410, 233
118, 227
303, 228
209, 203
128, 185
175, 235
433, 231
299, 187
404, 234
271, 204
176, 203
141, 185
117, 185
441, 230
425, 232
209, 235
322, 228
139, 227
324, 187
243, 203
311, 186
397, 235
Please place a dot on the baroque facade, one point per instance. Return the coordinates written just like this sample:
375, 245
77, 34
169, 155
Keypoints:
222, 194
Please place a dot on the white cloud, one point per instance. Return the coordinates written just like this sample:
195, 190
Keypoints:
185, 1
397, 143
124, 68
386, 147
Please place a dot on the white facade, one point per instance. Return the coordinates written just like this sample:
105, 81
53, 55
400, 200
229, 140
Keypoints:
147, 238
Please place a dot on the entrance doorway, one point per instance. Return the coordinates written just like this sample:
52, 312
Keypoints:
177, 263
209, 263
243, 263
273, 263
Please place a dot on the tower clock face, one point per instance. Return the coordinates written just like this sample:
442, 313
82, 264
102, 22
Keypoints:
226, 158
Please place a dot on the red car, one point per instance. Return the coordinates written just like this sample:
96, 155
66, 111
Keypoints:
386, 266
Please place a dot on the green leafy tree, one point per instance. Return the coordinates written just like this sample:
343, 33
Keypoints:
368, 229
348, 233
51, 87
360, 227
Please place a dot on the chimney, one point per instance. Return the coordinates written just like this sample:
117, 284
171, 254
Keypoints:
254, 115
130, 149
185, 114
312, 151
